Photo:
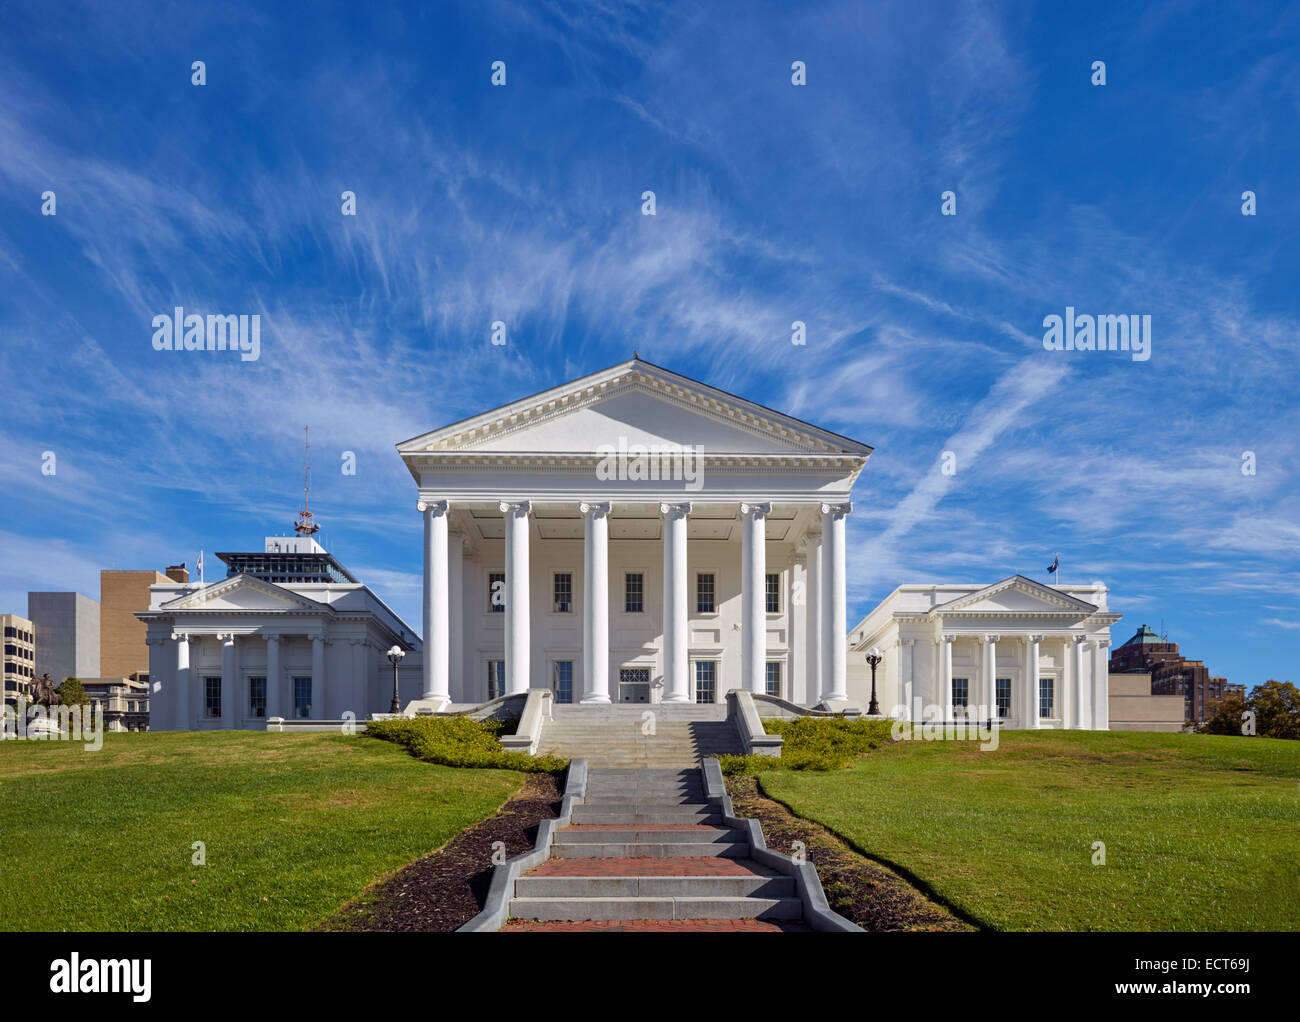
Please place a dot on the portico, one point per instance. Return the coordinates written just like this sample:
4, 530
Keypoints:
634, 536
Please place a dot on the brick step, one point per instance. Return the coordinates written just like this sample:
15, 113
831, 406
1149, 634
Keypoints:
605, 908
616, 849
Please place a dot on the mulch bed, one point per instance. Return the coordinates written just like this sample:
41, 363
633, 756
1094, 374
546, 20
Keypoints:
445, 890
866, 892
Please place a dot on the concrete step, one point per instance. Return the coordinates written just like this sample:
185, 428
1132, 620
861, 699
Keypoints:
655, 887
642, 815
686, 833
617, 849
656, 908
630, 803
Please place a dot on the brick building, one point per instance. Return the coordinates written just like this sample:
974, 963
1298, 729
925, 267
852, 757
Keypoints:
1171, 672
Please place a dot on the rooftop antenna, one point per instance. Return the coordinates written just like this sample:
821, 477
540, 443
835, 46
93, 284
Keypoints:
305, 525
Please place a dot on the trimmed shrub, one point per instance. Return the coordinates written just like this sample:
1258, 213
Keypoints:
813, 743
461, 742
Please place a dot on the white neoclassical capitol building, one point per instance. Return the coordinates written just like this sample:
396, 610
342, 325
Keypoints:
634, 536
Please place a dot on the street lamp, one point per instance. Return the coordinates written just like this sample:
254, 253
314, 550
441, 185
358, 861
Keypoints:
874, 656
395, 655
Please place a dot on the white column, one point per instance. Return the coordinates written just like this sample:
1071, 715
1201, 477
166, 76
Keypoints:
991, 675
595, 603
834, 602
183, 684
437, 591
518, 636
676, 638
227, 680
456, 618
1033, 682
358, 689
906, 674
274, 679
318, 677
945, 691
1101, 685
816, 683
753, 596
1079, 710
798, 630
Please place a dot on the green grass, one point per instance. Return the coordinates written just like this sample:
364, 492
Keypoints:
1202, 832
294, 825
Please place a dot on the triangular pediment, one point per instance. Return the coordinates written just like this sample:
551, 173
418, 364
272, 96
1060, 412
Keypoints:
635, 403
1016, 595
244, 593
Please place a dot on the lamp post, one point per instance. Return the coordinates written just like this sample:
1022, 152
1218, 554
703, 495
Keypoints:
395, 655
874, 656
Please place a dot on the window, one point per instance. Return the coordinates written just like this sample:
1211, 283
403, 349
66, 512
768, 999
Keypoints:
705, 602
1047, 697
774, 676
960, 696
634, 592
1004, 696
563, 681
212, 696
257, 697
774, 593
302, 697
496, 592
706, 681
563, 592
496, 679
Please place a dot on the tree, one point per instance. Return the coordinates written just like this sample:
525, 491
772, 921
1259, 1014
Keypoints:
1276, 709
1227, 717
71, 692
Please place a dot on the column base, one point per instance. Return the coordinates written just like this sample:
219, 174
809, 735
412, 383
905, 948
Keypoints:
602, 700
676, 699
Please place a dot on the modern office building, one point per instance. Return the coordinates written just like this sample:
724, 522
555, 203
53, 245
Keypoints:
19, 656
67, 629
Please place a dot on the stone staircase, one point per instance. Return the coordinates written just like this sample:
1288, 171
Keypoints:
620, 737
646, 850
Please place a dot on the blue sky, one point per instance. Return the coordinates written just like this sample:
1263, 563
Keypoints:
775, 203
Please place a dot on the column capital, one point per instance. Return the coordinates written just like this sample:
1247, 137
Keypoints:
595, 507
318, 638
749, 508
226, 637
838, 509
180, 636
1035, 639
516, 507
436, 507
906, 642
1079, 640
273, 637
683, 508
992, 638
1101, 643
948, 638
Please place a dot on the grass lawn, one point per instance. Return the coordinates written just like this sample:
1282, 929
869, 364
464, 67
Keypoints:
1202, 832
293, 825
